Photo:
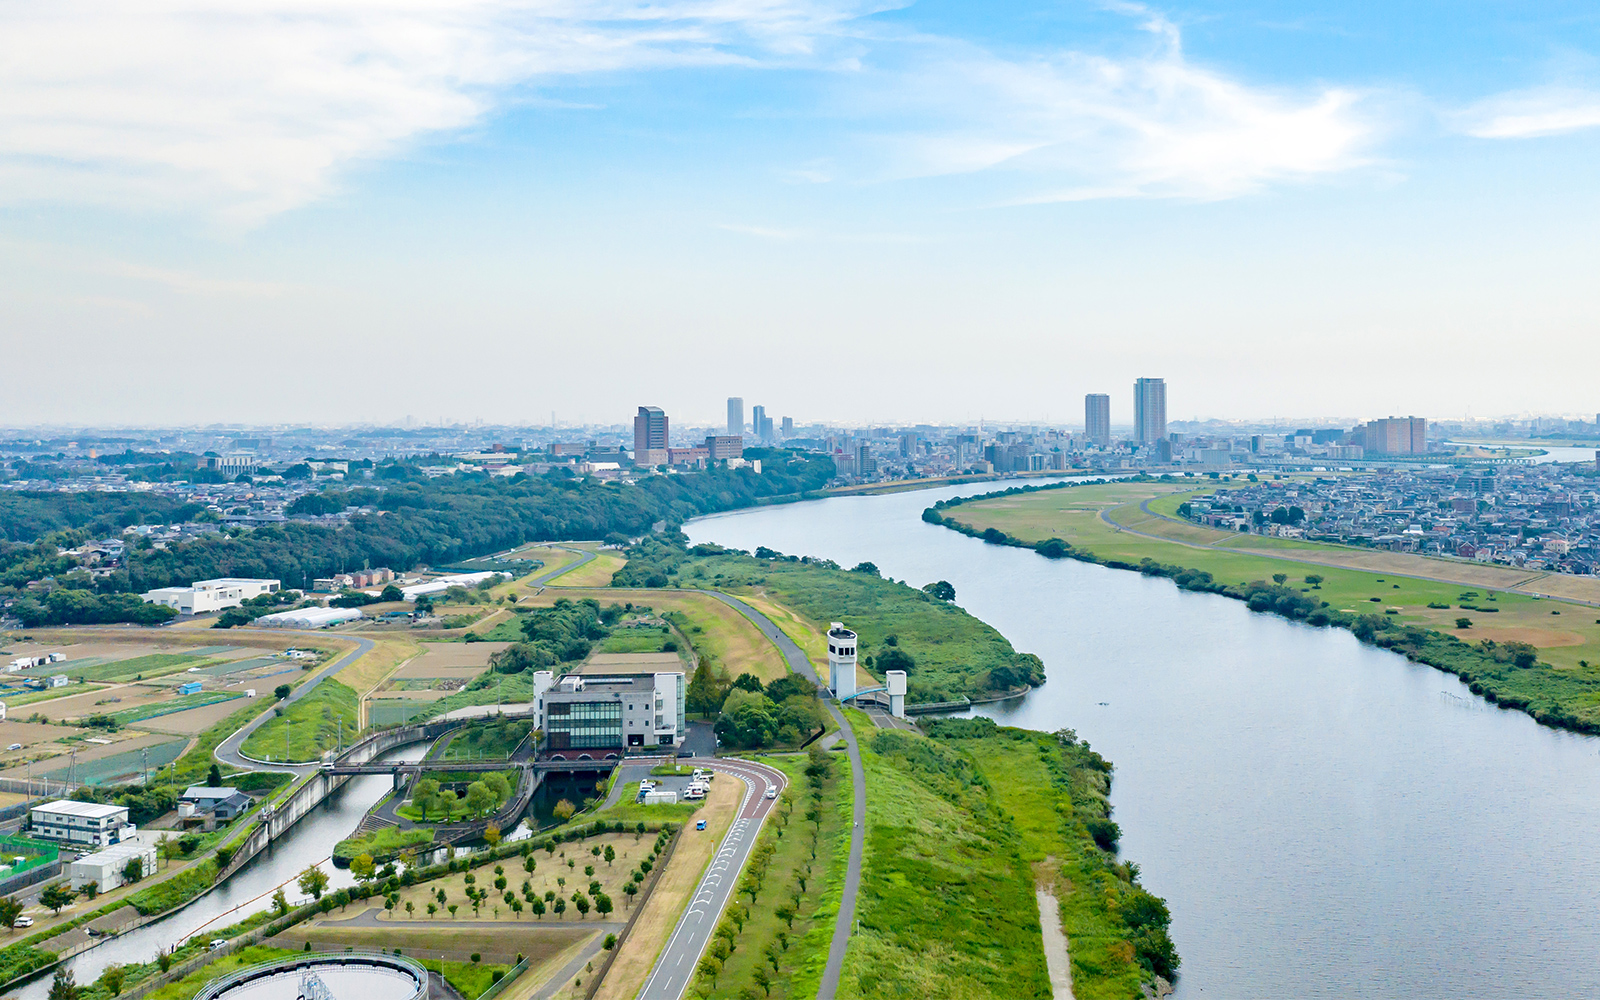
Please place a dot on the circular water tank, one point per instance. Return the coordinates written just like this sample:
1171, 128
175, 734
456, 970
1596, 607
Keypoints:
346, 976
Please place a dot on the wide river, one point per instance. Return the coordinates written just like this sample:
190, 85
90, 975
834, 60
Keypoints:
1324, 819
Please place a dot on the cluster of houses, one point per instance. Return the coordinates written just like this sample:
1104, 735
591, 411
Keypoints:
1538, 517
110, 842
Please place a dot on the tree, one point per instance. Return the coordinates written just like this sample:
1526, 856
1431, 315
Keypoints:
410, 908
785, 912
57, 897
1463, 623
447, 803
10, 910
282, 691
705, 691
1315, 581
563, 810
560, 906
479, 798
1280, 578
631, 890
362, 867
870, 569
940, 591
748, 682
64, 986
313, 881
538, 908
895, 658
491, 833
423, 795
113, 978
92, 889
611, 855
582, 903
391, 595
133, 871
763, 980
603, 904
708, 967
453, 907
214, 777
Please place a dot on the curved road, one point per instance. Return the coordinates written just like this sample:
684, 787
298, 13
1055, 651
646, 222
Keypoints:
228, 751
675, 968
798, 662
586, 557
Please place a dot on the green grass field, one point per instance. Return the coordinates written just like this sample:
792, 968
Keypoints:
180, 703
314, 724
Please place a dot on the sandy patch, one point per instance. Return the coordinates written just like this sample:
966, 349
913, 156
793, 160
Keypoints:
451, 659
1533, 636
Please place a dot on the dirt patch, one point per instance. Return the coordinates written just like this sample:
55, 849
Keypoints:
30, 733
1541, 637
451, 659
601, 663
96, 702
195, 719
672, 893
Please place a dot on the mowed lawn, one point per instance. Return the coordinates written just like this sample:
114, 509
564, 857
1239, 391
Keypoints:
1565, 633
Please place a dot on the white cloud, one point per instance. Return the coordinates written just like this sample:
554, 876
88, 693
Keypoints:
1527, 114
253, 105
1152, 125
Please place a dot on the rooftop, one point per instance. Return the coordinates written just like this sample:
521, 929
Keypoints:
89, 810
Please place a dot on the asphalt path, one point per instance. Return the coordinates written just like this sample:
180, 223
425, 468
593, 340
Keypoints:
675, 969
798, 662
228, 751
585, 556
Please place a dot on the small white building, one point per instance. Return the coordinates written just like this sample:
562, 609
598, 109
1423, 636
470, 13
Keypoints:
895, 681
107, 867
841, 661
203, 596
80, 823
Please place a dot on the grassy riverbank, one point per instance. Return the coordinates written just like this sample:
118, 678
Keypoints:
316, 722
1539, 655
963, 825
950, 652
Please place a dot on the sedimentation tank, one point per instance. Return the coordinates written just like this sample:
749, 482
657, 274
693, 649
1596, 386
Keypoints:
344, 976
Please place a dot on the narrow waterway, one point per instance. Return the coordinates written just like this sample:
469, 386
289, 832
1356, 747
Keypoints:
250, 889
1325, 819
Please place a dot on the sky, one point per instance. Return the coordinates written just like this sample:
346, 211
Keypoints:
355, 211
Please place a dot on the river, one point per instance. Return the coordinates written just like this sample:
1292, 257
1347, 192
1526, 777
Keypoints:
1324, 819
250, 889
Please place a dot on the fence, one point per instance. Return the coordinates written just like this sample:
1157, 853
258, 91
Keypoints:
498, 987
36, 852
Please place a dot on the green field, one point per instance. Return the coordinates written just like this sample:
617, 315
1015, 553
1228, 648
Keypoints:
119, 671
1418, 617
315, 723
951, 652
179, 703
381, 844
635, 640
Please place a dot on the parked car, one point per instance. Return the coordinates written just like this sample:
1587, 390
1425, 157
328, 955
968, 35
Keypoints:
701, 825
14, 746
218, 943
23, 922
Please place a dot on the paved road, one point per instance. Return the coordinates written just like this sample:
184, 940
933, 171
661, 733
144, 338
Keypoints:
829, 986
585, 556
674, 970
228, 750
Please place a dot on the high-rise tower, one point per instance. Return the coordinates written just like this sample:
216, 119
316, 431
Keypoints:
1150, 409
1097, 418
650, 436
735, 416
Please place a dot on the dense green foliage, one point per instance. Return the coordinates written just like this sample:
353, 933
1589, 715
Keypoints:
561, 633
180, 888
381, 844
786, 712
144, 804
28, 516
946, 652
64, 606
1509, 674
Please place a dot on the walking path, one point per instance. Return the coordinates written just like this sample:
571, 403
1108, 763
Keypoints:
829, 986
228, 751
585, 557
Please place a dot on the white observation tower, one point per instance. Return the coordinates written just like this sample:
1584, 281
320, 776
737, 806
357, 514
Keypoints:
841, 661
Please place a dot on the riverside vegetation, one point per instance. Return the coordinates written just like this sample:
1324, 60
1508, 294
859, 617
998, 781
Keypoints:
945, 652
1508, 673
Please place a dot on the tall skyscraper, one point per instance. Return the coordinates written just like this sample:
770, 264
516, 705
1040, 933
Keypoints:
788, 427
1395, 436
760, 424
1150, 409
1097, 418
735, 416
650, 436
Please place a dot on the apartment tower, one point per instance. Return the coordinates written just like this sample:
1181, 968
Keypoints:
650, 436
1097, 418
735, 416
1150, 409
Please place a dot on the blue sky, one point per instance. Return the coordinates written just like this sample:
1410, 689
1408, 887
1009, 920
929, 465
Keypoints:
497, 209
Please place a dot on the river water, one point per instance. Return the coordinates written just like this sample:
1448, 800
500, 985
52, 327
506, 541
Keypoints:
250, 889
1324, 819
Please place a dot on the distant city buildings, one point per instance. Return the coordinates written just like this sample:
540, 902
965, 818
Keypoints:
650, 437
1392, 436
1149, 410
720, 447
1097, 418
735, 416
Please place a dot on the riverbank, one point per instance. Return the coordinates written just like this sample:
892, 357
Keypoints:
1506, 658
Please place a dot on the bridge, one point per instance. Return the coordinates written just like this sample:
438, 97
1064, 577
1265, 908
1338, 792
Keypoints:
342, 767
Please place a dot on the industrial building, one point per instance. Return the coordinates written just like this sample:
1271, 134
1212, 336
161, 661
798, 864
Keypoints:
204, 596
80, 823
614, 713
309, 618
107, 868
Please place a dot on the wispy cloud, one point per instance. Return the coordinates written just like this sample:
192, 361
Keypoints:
1079, 125
1528, 114
253, 105
247, 108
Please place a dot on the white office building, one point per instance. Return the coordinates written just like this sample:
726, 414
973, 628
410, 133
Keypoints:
204, 596
106, 868
72, 822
